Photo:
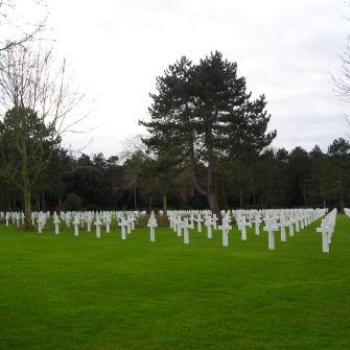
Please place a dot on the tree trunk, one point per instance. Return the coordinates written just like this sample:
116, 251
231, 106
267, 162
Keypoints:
59, 203
165, 199
43, 201
304, 195
341, 200
211, 192
37, 202
135, 197
240, 199
27, 209
341, 193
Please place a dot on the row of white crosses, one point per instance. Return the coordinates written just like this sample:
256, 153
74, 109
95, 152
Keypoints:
125, 220
14, 217
41, 220
347, 212
327, 229
295, 220
184, 221
273, 220
181, 224
277, 220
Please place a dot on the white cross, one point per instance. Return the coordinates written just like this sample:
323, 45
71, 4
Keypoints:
270, 227
185, 230
56, 221
98, 224
208, 223
76, 223
123, 224
225, 227
152, 224
283, 228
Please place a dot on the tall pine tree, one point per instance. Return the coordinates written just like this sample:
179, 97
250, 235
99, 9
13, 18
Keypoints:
204, 114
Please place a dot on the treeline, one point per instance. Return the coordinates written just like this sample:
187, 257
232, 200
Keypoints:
208, 146
276, 178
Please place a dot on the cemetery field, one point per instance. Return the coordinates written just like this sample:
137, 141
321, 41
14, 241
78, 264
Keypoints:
66, 292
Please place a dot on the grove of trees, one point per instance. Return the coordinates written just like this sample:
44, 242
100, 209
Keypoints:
276, 178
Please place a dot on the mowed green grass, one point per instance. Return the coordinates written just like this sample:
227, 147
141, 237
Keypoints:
62, 292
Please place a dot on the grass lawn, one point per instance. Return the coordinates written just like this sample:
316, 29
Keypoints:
62, 292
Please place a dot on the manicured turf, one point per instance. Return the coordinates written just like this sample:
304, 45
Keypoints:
61, 292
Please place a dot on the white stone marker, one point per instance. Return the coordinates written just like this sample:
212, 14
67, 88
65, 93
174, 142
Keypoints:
191, 222
242, 226
325, 230
291, 227
257, 225
178, 226
88, 223
98, 224
171, 220
76, 223
68, 220
297, 226
123, 225
185, 231
18, 220
225, 227
41, 222
207, 223
283, 229
152, 225
199, 223
108, 224
129, 225
132, 222
215, 221
56, 221
271, 227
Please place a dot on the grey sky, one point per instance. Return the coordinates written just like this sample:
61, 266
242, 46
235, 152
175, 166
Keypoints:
286, 49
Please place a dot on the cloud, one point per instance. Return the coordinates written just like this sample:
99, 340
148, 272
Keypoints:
286, 49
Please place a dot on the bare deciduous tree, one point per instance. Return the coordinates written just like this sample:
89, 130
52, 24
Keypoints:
36, 93
342, 80
15, 30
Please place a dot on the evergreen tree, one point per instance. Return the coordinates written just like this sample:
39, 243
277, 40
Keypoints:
339, 152
26, 145
206, 114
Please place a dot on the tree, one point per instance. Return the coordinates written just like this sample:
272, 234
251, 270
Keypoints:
39, 101
72, 202
319, 176
18, 31
299, 168
339, 152
132, 172
206, 114
25, 144
342, 80
52, 184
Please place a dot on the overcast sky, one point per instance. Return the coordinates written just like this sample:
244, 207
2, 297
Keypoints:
286, 49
